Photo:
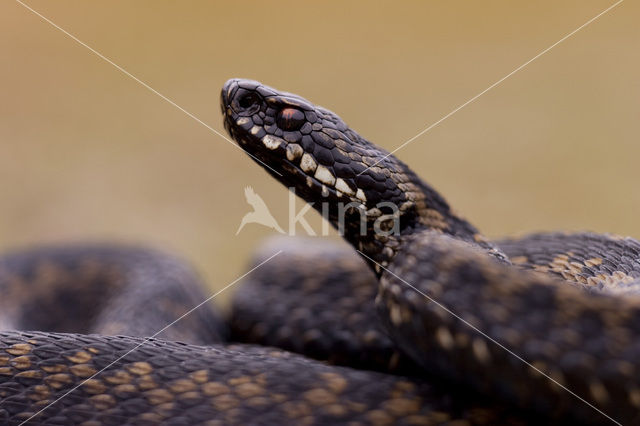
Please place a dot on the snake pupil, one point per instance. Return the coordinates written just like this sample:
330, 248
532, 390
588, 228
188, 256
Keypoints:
290, 119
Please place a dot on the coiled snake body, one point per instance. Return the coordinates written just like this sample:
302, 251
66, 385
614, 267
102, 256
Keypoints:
539, 329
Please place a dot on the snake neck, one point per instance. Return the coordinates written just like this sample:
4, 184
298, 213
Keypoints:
372, 198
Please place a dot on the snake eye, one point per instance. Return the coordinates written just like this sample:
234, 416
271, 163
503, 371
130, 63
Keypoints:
290, 119
246, 103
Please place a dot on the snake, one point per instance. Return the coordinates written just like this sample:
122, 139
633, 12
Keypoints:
453, 301
425, 322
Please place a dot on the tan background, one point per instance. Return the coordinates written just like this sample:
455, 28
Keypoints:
89, 154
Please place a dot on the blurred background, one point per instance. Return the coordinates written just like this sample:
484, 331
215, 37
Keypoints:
86, 153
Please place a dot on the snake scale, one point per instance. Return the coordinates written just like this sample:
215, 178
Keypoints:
537, 330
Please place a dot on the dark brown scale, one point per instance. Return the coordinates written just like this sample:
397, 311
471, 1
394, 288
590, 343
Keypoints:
323, 156
307, 144
327, 125
306, 128
292, 100
332, 134
265, 91
311, 116
365, 182
268, 120
322, 139
270, 129
291, 136
339, 157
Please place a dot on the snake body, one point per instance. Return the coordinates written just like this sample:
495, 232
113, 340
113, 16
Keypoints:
180, 384
105, 289
452, 309
111, 379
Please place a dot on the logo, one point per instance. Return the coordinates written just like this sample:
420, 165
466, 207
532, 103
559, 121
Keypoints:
260, 214
387, 223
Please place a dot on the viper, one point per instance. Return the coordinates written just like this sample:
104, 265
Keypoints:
423, 321
451, 300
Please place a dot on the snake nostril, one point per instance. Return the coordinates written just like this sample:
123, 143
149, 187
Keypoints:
248, 100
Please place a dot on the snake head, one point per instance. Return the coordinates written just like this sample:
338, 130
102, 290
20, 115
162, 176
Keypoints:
310, 146
370, 196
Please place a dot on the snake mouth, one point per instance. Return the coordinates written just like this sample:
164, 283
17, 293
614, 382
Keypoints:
286, 133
